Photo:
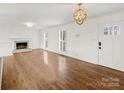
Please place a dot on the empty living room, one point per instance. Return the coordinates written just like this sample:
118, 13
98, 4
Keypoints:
61, 46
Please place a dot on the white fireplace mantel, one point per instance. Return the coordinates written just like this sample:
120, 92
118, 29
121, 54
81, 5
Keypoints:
20, 39
15, 40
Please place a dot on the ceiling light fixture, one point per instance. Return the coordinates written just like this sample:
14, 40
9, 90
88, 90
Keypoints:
80, 14
29, 24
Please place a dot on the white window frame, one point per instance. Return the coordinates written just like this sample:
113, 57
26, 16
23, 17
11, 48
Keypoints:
62, 41
45, 40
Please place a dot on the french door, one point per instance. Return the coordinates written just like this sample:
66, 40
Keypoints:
62, 41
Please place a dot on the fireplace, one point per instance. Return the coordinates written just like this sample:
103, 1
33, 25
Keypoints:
19, 45
22, 45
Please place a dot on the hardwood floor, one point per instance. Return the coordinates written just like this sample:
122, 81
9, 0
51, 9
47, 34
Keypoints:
40, 69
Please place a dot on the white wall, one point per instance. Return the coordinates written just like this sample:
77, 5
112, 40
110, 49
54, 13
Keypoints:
82, 41
85, 47
52, 38
7, 34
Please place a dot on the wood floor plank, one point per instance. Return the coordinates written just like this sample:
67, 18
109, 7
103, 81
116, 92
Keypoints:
41, 69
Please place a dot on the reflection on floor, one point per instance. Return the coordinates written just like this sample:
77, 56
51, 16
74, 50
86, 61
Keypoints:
41, 69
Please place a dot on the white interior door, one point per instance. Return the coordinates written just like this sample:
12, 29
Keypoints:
112, 45
106, 47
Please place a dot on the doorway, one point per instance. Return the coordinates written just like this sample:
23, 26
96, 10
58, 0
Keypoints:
110, 45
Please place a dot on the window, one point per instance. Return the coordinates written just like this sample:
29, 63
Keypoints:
62, 41
45, 40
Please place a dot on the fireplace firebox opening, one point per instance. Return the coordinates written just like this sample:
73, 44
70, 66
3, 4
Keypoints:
22, 45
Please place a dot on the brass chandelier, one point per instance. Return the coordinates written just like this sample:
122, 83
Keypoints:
80, 14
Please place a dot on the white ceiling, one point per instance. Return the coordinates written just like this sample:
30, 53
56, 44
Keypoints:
49, 14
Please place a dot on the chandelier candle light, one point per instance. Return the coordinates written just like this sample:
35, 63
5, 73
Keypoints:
80, 14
